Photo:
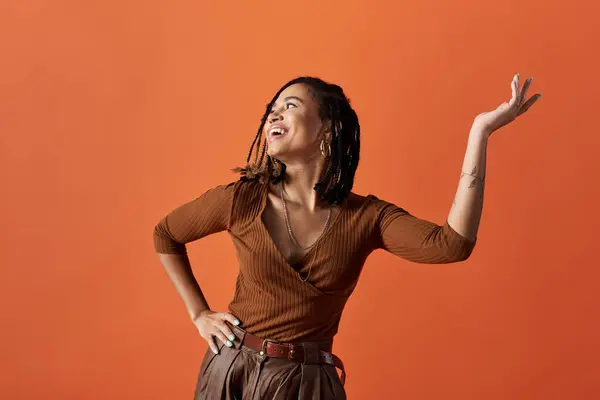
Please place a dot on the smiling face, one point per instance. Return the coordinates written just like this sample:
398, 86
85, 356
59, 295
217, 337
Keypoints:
294, 129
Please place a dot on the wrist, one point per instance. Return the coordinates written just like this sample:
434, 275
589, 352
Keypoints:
479, 134
198, 313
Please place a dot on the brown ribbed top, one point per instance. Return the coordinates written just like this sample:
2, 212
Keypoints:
270, 299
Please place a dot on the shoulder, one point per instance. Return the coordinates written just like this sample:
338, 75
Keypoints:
237, 188
361, 206
355, 200
249, 189
247, 202
373, 206
232, 195
369, 201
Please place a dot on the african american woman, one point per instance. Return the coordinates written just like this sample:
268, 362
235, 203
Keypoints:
302, 237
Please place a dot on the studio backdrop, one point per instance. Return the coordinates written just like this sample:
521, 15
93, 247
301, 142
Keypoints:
112, 113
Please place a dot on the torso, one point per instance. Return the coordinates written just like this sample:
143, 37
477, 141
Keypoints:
282, 291
307, 226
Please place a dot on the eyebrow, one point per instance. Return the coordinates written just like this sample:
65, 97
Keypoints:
293, 98
289, 98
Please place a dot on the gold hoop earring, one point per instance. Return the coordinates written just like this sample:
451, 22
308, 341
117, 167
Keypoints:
322, 148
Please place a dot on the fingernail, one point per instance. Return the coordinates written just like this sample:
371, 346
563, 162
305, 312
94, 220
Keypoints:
229, 344
215, 351
236, 322
231, 337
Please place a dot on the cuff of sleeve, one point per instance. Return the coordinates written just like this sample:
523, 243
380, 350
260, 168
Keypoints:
163, 247
459, 245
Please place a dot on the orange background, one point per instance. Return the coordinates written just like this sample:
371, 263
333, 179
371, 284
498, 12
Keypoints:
113, 113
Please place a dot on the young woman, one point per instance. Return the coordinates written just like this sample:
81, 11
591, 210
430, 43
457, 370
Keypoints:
302, 237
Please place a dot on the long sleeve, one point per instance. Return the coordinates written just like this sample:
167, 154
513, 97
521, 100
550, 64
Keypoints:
418, 240
207, 214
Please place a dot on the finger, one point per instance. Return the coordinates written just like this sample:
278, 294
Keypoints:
230, 318
218, 334
213, 346
524, 91
225, 330
513, 86
528, 103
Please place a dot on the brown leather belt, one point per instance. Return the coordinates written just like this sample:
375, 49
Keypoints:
320, 354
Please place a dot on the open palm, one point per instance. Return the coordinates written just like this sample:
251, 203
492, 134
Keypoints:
508, 111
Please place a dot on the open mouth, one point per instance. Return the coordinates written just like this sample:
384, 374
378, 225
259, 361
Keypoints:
276, 133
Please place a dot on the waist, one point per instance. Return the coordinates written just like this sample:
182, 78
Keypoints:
315, 352
270, 347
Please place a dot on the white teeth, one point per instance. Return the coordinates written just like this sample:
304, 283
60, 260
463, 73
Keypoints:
276, 131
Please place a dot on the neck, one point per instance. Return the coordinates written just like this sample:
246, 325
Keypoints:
299, 183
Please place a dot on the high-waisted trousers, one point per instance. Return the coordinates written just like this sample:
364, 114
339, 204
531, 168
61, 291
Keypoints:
242, 373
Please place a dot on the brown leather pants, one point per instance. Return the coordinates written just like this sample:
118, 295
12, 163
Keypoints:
241, 373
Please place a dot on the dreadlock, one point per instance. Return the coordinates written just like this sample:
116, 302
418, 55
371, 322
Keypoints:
338, 178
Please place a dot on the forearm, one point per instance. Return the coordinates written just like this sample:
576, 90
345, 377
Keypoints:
179, 270
467, 207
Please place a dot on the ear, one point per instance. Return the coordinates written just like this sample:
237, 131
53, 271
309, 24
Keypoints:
327, 130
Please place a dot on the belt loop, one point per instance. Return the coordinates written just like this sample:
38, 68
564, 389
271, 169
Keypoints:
312, 352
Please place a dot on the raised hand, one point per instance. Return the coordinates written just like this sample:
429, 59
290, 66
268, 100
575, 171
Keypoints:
490, 121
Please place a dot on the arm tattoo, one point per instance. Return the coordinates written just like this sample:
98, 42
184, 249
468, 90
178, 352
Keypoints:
475, 177
473, 183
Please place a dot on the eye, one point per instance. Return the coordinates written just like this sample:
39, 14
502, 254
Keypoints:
289, 104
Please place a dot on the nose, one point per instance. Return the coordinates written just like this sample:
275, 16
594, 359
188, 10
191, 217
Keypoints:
274, 116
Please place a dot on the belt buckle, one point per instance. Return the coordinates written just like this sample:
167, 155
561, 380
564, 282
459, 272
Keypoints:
263, 346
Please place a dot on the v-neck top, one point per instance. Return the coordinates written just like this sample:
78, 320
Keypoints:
271, 300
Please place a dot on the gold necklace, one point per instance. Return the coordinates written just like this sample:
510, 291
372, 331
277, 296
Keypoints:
291, 234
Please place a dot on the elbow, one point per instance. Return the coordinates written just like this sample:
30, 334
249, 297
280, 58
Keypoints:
462, 258
159, 233
158, 238
461, 253
164, 242
159, 229
457, 247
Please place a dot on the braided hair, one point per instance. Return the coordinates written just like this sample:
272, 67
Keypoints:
337, 178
